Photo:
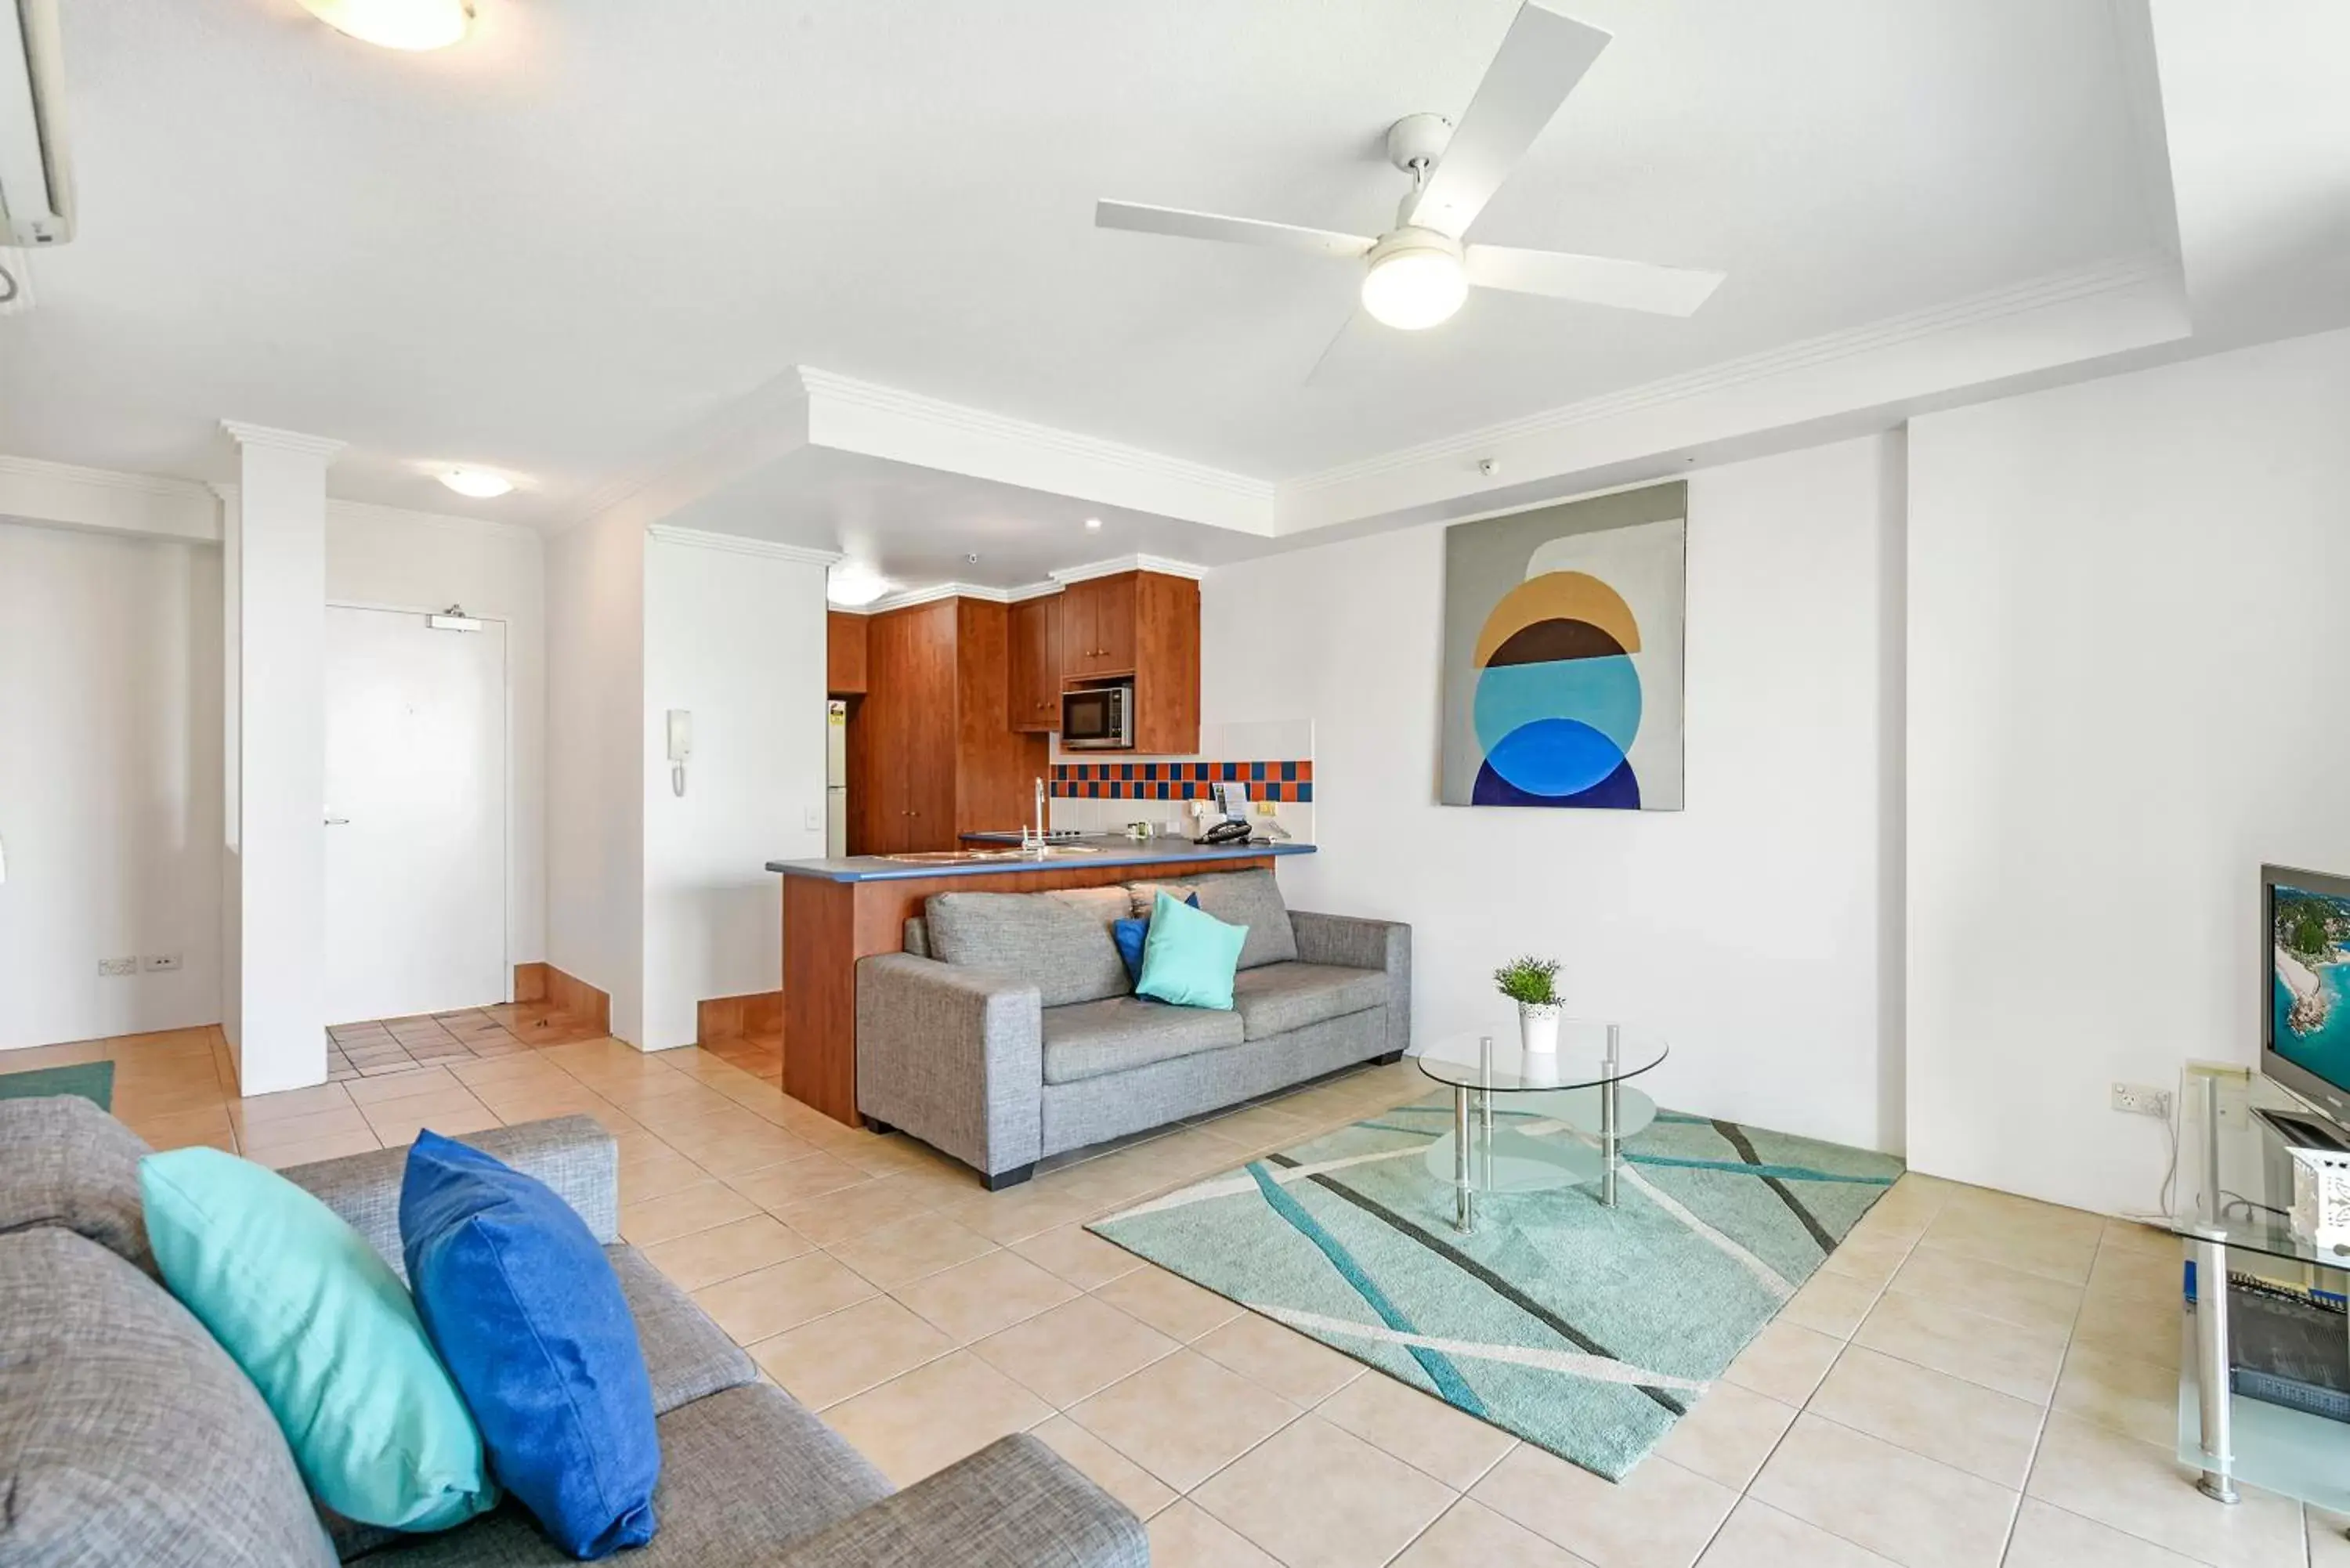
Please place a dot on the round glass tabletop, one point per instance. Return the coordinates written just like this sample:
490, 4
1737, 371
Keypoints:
1590, 1051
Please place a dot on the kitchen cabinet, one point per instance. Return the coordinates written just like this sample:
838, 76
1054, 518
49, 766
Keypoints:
1145, 625
939, 755
1033, 664
843, 654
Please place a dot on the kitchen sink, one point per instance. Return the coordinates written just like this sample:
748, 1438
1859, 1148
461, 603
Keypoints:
971, 856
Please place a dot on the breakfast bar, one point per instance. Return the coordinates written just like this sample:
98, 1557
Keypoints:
838, 911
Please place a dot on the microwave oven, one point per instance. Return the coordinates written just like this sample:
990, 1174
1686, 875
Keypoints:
1098, 719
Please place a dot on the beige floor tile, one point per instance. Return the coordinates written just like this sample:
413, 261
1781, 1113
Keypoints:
781, 1296
2131, 1327
2016, 1233
1301, 1370
1904, 1506
993, 1292
178, 1129
2007, 1356
2141, 1489
1757, 1535
372, 1091
1316, 1497
2010, 1295
737, 1247
1077, 1255
680, 1213
2048, 1537
1964, 1424
1660, 1516
2129, 1236
1831, 1303
396, 1130
845, 1353
262, 1109
2133, 1397
1785, 1360
1186, 1536
925, 1420
1472, 1535
853, 1212
308, 1127
1418, 1428
2329, 1539
1728, 1434
656, 1176
1005, 1218
901, 1253
799, 1180
2123, 1271
1168, 1302
1074, 1350
1183, 1417
1106, 1467
333, 1145
748, 1150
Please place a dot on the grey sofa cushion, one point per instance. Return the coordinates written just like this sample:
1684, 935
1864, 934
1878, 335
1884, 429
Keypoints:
1013, 1504
743, 1473
1088, 1039
686, 1352
1281, 997
63, 1162
1063, 949
572, 1155
127, 1435
1251, 898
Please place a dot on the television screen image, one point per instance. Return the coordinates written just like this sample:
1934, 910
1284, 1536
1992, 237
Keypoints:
2310, 986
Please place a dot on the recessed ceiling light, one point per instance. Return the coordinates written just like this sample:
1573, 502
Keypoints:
396, 24
478, 482
853, 585
1094, 524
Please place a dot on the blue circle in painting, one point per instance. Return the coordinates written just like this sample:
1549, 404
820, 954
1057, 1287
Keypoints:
1619, 791
1555, 757
1603, 693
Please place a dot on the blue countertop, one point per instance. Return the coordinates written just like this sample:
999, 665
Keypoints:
1111, 849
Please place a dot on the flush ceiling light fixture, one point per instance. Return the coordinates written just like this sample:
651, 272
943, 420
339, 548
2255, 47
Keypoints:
396, 24
478, 482
854, 585
1416, 280
1093, 525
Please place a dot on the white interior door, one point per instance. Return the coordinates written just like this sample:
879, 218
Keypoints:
416, 812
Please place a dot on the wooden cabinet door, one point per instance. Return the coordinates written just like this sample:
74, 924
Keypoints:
845, 654
930, 752
1073, 631
1032, 678
881, 802
1114, 625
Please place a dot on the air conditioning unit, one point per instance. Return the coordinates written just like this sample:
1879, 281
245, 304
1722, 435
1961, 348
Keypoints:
36, 205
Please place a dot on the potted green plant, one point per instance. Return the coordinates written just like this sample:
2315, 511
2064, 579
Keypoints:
1533, 983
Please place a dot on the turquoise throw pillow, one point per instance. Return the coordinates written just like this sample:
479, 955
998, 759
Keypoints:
327, 1333
1189, 956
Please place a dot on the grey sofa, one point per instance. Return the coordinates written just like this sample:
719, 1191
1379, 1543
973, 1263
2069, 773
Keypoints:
128, 1437
1008, 1029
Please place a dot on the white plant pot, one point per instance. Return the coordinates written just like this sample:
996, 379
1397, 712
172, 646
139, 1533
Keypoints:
1538, 1028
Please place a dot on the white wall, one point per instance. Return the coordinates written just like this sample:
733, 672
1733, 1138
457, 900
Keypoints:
738, 641
109, 782
386, 558
595, 766
1750, 929
2128, 663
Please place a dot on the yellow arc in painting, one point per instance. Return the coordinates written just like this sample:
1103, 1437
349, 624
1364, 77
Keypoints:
1558, 596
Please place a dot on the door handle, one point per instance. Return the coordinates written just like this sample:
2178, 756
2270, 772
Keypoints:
339, 821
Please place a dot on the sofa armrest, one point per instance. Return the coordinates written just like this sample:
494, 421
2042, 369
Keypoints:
1013, 1504
953, 1055
1356, 942
573, 1155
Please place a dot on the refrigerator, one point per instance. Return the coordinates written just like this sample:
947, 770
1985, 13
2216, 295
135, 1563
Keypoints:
835, 778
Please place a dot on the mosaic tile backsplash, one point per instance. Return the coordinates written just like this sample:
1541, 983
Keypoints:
1275, 781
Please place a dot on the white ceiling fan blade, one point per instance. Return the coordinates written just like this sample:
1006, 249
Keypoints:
1543, 56
1319, 375
1594, 280
1185, 226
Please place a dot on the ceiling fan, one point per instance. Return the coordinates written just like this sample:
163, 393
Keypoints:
1419, 271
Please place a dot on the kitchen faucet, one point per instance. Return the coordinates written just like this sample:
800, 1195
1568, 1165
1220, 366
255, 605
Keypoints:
1039, 841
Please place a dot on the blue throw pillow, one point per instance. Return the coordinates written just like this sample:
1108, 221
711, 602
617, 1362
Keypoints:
528, 1315
1129, 936
1190, 957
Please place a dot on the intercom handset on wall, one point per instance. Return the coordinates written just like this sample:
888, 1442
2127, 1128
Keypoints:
680, 747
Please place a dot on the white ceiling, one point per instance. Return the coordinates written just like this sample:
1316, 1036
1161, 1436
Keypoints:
600, 222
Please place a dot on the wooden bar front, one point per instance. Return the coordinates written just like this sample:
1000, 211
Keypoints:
829, 926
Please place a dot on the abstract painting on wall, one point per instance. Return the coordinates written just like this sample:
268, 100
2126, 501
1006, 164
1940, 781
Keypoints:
1563, 651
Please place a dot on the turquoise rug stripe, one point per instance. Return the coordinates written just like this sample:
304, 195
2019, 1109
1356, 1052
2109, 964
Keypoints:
93, 1081
1585, 1330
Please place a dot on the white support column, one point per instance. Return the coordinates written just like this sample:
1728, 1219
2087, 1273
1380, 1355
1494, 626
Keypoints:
274, 575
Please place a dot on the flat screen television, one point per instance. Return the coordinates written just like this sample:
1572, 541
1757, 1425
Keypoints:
2306, 1011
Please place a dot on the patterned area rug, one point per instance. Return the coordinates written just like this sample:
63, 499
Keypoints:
91, 1080
1586, 1329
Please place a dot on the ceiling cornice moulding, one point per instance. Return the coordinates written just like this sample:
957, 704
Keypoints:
99, 500
1027, 591
907, 598
1113, 566
742, 544
320, 447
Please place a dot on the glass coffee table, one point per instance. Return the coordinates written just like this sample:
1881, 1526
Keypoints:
1562, 1114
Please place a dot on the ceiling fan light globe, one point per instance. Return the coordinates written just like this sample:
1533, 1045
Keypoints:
1415, 289
396, 24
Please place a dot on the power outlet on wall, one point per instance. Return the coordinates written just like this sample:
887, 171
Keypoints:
115, 969
2142, 1100
161, 964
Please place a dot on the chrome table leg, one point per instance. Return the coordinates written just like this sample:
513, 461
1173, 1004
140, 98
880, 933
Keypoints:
1465, 1218
1609, 1111
2210, 1255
